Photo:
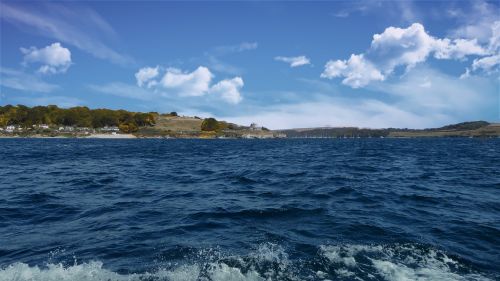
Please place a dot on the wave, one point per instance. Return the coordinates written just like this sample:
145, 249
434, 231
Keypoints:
397, 262
270, 262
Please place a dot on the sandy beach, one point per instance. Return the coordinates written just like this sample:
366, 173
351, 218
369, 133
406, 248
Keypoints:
110, 136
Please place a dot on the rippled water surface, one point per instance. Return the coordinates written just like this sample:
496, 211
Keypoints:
353, 209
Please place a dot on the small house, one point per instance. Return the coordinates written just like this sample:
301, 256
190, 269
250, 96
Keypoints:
255, 127
110, 129
10, 128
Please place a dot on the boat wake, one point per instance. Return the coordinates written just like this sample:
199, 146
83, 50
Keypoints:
271, 262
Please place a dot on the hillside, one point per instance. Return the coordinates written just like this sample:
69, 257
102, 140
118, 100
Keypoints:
465, 129
193, 127
52, 121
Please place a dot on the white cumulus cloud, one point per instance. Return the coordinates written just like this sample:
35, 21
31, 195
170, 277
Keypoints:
410, 46
399, 47
358, 72
54, 58
189, 84
294, 61
196, 83
145, 75
229, 90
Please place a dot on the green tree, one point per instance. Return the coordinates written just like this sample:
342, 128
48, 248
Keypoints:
209, 124
128, 127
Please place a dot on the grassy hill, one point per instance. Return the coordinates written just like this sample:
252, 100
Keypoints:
192, 127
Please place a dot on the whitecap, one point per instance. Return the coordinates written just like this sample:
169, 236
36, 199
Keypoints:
397, 262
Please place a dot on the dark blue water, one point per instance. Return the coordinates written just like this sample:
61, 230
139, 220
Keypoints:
355, 209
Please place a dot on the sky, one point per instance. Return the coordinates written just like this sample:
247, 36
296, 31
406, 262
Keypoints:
377, 64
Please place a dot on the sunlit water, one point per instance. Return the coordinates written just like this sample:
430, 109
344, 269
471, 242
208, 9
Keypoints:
354, 209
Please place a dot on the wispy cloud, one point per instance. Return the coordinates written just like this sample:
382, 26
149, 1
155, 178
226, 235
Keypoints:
77, 26
21, 81
294, 61
228, 49
218, 65
125, 90
214, 57
475, 21
61, 101
402, 11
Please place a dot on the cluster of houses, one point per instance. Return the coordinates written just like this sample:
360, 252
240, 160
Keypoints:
60, 129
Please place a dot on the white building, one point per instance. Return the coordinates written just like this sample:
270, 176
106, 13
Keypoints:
255, 127
10, 129
66, 129
110, 129
41, 126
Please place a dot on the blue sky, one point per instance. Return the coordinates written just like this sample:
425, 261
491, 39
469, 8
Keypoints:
372, 64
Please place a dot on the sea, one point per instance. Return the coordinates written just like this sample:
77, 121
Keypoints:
278, 209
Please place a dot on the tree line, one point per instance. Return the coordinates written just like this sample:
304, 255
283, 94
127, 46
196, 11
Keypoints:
79, 116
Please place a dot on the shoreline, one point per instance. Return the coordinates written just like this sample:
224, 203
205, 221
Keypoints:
131, 136
92, 136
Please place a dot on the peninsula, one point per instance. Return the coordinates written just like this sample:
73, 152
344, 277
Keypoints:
82, 122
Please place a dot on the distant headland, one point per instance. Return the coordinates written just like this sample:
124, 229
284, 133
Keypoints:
465, 129
81, 122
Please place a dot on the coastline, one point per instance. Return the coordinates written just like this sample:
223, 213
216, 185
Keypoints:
131, 136
92, 136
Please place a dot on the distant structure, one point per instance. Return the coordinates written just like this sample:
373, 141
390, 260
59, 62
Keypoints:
255, 127
66, 129
110, 129
10, 129
41, 126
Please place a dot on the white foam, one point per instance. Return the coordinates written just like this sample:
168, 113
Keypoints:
93, 271
223, 272
57, 272
345, 254
217, 270
270, 262
182, 273
396, 262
